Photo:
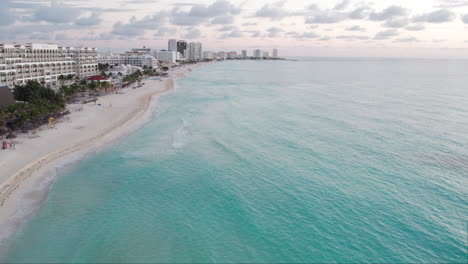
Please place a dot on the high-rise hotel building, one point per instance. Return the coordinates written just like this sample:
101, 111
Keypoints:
44, 63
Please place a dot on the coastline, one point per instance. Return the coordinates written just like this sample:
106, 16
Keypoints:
28, 171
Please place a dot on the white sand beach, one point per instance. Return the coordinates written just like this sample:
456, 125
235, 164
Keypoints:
27, 171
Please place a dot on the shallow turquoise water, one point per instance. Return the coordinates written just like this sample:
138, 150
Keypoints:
249, 161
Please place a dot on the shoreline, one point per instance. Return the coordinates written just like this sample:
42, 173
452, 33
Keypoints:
23, 192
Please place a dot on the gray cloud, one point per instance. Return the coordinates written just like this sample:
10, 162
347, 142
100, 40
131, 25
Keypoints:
342, 5
417, 27
465, 19
274, 31
137, 27
57, 12
398, 22
199, 13
356, 28
439, 16
227, 28
359, 13
7, 16
249, 24
92, 20
386, 34
273, 11
353, 37
326, 17
192, 34
165, 31
409, 39
388, 13
223, 20
307, 35
233, 34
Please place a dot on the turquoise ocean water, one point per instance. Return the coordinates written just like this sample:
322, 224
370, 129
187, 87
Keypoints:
323, 160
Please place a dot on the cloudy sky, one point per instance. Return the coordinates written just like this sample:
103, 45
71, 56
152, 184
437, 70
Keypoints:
378, 28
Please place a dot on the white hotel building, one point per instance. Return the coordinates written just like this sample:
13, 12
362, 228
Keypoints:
133, 59
44, 63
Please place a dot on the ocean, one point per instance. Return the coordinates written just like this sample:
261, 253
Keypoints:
311, 161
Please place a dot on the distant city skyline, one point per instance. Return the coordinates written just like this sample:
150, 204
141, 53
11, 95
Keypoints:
383, 28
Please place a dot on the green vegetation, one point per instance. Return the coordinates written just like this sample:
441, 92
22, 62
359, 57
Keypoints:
38, 103
134, 77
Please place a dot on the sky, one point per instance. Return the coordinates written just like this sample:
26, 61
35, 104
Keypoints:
332, 28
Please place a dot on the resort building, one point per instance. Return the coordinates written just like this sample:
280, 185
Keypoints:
265, 54
257, 53
41, 62
195, 52
182, 47
172, 45
222, 55
86, 64
143, 50
275, 53
208, 55
167, 56
244, 54
130, 58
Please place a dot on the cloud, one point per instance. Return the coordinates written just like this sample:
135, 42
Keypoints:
398, 22
247, 24
356, 28
353, 37
227, 28
7, 16
465, 19
165, 31
192, 34
326, 17
386, 34
307, 35
409, 39
223, 20
39, 36
137, 27
388, 13
127, 29
233, 34
417, 27
199, 13
61, 36
255, 34
274, 31
275, 11
359, 13
439, 16
57, 12
452, 3
342, 5
92, 20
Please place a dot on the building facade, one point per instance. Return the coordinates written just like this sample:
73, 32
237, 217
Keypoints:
86, 63
172, 45
275, 53
43, 63
131, 58
195, 51
244, 54
182, 47
167, 56
257, 53
208, 55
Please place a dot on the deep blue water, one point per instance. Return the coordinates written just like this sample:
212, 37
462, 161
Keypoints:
275, 161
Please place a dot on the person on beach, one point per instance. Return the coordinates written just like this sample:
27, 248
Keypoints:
4, 145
